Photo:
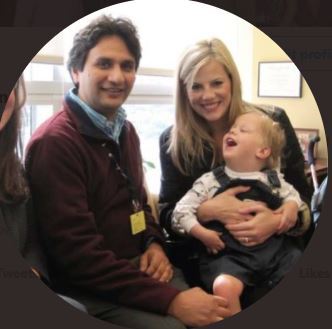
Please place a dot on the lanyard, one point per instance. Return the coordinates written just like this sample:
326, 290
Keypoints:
130, 184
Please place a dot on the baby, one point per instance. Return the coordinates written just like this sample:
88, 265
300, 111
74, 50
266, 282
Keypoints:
251, 151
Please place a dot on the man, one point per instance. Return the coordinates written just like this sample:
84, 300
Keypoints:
85, 171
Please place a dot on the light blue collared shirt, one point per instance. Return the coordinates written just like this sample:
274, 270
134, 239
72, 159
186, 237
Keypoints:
111, 128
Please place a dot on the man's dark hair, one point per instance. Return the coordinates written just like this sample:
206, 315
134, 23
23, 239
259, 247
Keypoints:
89, 36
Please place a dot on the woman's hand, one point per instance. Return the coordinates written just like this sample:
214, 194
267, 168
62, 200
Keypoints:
225, 207
258, 229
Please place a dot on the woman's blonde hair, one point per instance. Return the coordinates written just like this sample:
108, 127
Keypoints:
191, 135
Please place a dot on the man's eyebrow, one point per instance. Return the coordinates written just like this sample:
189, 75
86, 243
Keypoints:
105, 58
129, 60
102, 58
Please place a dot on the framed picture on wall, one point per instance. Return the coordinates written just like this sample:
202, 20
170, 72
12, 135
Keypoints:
304, 136
279, 79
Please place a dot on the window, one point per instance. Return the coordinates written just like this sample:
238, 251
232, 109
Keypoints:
46, 72
46, 83
149, 107
33, 116
150, 120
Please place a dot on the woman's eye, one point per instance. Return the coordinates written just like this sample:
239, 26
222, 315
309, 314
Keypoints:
217, 83
196, 87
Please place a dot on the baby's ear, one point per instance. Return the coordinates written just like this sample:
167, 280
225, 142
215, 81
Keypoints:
263, 153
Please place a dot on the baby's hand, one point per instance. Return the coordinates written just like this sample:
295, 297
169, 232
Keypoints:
289, 213
211, 239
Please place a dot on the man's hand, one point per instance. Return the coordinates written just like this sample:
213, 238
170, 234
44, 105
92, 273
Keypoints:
194, 307
155, 263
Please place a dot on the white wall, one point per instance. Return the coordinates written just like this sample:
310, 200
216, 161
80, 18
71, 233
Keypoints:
166, 28
303, 112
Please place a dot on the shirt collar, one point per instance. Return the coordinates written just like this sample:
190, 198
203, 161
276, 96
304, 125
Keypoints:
111, 128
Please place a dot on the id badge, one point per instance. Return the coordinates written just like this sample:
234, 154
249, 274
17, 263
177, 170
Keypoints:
137, 221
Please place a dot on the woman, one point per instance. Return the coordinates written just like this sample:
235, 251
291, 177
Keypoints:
15, 207
208, 99
16, 215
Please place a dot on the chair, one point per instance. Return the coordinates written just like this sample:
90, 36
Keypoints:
319, 190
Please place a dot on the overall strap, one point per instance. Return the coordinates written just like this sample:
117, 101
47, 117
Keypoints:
224, 180
272, 177
267, 193
221, 176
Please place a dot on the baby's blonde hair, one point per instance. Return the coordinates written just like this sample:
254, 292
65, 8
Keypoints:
273, 137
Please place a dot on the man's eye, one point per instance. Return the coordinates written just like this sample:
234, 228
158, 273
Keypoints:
104, 64
128, 66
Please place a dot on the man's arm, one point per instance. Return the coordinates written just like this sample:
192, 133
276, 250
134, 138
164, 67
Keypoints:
73, 241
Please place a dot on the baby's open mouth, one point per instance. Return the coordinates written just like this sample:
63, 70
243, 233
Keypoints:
230, 142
